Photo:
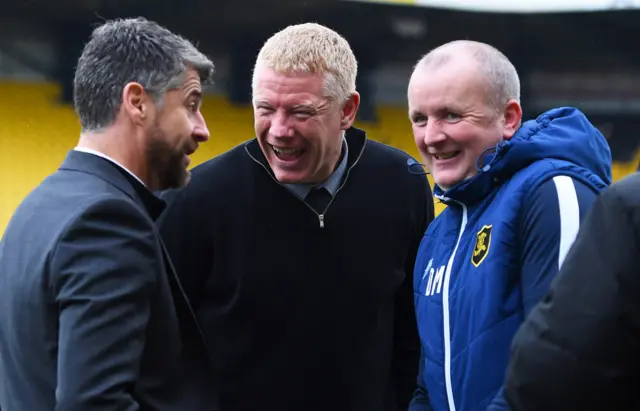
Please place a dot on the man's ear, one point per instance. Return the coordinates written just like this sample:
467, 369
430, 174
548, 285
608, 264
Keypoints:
512, 118
349, 110
135, 102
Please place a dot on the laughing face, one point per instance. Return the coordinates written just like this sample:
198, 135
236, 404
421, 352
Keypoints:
452, 122
298, 128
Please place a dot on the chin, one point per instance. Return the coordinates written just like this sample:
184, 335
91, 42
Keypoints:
176, 179
446, 182
288, 172
288, 178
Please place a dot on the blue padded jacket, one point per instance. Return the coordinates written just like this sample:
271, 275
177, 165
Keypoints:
468, 289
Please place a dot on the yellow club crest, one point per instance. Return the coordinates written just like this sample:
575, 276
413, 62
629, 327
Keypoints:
483, 243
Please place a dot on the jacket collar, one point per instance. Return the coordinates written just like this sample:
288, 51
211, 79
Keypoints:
116, 176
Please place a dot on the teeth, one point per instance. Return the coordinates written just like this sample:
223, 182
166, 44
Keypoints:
286, 150
445, 156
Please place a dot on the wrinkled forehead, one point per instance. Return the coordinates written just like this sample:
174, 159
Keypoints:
285, 89
447, 85
192, 82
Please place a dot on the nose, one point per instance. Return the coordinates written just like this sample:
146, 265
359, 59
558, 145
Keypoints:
433, 134
280, 125
200, 131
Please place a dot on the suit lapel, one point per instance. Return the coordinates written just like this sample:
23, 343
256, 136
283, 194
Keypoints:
112, 173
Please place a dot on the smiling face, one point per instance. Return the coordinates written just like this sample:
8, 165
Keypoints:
298, 128
452, 121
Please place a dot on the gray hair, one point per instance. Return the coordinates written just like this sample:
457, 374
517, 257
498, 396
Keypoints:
502, 81
131, 50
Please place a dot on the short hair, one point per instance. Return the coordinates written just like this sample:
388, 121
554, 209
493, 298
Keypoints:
311, 48
131, 50
503, 83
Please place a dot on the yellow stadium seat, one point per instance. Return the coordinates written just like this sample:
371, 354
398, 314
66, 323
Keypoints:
36, 132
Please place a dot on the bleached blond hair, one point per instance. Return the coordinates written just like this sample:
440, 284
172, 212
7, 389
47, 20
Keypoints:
311, 48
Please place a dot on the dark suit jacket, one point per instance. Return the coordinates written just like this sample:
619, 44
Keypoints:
89, 302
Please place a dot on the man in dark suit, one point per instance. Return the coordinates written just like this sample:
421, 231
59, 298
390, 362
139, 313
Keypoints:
89, 300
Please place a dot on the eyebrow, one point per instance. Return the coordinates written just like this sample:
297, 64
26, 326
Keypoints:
195, 93
413, 113
261, 102
447, 108
306, 106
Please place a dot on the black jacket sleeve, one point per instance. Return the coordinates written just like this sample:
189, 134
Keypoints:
406, 355
104, 271
579, 348
189, 244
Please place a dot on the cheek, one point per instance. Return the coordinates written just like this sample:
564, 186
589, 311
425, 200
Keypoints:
463, 135
178, 122
312, 131
188, 123
485, 140
474, 141
418, 137
260, 124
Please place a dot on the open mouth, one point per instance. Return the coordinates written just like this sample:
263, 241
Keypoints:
287, 154
446, 156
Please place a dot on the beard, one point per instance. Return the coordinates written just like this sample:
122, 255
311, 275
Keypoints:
166, 163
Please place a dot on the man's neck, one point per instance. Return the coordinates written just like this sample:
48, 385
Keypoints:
126, 154
331, 183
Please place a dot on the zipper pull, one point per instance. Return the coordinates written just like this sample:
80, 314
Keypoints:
321, 218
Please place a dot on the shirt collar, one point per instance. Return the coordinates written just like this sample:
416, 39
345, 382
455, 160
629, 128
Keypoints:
154, 205
106, 157
331, 184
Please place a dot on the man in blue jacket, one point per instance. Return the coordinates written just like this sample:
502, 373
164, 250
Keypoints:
516, 194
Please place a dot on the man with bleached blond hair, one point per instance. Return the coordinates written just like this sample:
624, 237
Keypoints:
296, 248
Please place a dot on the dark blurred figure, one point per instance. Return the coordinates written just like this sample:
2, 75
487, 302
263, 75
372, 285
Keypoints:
580, 347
